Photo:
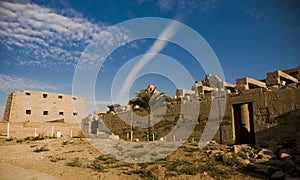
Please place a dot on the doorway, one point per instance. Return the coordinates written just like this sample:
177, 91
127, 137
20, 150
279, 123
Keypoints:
243, 123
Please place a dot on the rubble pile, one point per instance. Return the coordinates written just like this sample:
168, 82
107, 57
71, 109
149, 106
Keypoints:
277, 160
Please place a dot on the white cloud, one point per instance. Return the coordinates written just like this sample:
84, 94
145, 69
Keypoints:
253, 13
13, 83
157, 46
166, 5
42, 33
188, 6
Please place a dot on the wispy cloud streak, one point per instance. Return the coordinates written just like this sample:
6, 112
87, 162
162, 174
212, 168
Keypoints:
156, 48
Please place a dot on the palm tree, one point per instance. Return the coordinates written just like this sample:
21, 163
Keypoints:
149, 100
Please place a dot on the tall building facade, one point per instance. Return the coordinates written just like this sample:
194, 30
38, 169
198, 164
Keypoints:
46, 112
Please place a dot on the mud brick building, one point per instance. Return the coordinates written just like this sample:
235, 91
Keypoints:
30, 113
256, 111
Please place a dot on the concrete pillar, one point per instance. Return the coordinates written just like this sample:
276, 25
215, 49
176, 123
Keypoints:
245, 117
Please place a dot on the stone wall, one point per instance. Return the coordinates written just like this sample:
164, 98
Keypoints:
32, 106
27, 110
8, 107
255, 112
268, 106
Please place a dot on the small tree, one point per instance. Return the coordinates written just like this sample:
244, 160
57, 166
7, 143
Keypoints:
149, 100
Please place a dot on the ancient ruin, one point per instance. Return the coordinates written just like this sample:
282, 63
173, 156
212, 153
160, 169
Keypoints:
32, 113
256, 111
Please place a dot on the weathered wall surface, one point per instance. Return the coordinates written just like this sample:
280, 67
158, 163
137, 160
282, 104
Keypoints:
256, 111
32, 106
120, 123
27, 110
269, 106
8, 107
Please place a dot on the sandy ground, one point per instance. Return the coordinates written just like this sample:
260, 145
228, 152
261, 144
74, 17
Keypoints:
19, 161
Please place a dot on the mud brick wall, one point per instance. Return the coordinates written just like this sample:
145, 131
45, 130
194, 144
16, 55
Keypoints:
22, 130
33, 106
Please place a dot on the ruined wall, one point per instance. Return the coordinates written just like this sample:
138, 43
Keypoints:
270, 110
8, 107
255, 111
120, 123
268, 107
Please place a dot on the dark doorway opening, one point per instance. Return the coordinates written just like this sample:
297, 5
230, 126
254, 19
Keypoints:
243, 123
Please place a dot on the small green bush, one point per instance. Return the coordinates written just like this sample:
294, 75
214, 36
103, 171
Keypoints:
40, 149
74, 163
19, 140
56, 159
96, 165
191, 149
28, 138
172, 166
118, 147
40, 137
9, 139
66, 142
189, 170
102, 158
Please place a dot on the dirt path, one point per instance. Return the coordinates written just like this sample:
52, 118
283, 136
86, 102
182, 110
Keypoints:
8, 171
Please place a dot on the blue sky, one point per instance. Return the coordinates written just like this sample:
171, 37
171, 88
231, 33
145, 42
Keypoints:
41, 42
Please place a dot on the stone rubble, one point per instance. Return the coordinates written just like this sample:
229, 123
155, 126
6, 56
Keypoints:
280, 161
